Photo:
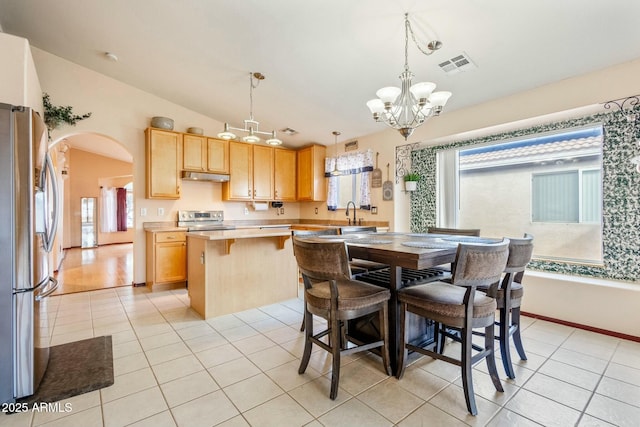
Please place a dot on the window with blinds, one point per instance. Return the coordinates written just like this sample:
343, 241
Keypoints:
548, 185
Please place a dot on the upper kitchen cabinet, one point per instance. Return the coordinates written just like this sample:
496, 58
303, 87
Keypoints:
217, 155
311, 181
250, 172
284, 175
203, 154
163, 152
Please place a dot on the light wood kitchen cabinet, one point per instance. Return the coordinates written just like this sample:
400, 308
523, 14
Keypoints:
203, 154
312, 185
250, 172
217, 155
284, 175
166, 257
163, 154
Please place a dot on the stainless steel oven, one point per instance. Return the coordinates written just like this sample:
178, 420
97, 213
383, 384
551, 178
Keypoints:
203, 220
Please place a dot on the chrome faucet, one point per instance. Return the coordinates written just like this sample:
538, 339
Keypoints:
354, 212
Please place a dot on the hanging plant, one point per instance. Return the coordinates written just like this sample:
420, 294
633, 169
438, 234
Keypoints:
55, 116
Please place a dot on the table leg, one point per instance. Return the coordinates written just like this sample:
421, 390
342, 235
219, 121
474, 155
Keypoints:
394, 310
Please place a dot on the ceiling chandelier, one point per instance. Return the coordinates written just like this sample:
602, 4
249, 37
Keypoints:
406, 108
251, 126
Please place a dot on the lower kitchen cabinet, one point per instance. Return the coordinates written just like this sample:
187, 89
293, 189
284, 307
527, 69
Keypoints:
166, 257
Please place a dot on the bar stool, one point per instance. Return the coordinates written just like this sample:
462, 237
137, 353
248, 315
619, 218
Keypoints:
460, 308
332, 294
459, 231
508, 299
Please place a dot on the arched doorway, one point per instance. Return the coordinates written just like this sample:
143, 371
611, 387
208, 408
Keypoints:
89, 252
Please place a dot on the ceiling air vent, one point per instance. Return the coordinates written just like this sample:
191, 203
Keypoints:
288, 131
457, 64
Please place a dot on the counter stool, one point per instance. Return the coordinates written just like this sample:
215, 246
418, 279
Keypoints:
362, 265
460, 308
459, 231
508, 299
332, 294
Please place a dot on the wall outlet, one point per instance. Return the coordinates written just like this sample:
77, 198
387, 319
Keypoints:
246, 211
281, 211
143, 211
316, 211
160, 211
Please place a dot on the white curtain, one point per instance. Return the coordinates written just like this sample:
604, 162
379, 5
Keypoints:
350, 163
108, 210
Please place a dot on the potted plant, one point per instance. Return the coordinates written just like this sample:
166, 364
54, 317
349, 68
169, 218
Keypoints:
411, 181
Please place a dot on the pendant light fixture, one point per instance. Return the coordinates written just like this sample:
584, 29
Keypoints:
406, 108
335, 171
251, 126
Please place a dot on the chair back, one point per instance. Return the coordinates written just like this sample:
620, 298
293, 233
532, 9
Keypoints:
358, 229
520, 252
480, 264
321, 261
459, 231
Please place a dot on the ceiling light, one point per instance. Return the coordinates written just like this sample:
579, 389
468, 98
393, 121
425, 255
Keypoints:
406, 108
251, 126
111, 56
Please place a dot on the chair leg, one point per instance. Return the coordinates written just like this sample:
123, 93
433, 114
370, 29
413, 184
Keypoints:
517, 340
443, 338
384, 335
505, 351
335, 336
403, 337
491, 359
467, 380
308, 333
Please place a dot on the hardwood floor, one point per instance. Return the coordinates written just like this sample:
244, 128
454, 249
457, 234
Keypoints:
89, 269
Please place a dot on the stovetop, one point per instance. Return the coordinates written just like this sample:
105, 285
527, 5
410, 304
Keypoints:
203, 220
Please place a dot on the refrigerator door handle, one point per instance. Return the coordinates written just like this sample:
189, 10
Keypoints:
51, 232
47, 290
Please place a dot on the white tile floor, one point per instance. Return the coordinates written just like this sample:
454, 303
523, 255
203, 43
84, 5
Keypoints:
172, 368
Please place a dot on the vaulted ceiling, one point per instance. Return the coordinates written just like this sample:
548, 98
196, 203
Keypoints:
324, 59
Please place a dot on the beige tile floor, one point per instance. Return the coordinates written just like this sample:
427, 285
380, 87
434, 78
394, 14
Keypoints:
172, 368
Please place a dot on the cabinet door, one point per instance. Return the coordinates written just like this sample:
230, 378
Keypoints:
262, 172
163, 163
194, 153
218, 155
171, 262
311, 180
285, 174
240, 185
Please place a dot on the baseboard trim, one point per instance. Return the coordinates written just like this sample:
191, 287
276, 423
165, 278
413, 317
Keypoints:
581, 326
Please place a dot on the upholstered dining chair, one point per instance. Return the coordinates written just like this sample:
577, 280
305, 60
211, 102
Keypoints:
509, 298
459, 307
458, 231
332, 294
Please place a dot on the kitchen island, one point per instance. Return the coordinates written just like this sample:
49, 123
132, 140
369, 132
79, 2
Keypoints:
235, 270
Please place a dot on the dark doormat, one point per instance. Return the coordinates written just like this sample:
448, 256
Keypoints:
76, 368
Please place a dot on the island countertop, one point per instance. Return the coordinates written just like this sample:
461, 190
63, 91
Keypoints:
240, 233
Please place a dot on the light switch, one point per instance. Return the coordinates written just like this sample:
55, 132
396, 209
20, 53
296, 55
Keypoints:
143, 211
160, 211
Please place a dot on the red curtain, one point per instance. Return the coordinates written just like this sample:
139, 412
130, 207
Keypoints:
121, 212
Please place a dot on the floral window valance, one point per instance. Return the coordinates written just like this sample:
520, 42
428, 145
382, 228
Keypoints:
349, 164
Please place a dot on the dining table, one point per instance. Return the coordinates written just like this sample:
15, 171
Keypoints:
413, 258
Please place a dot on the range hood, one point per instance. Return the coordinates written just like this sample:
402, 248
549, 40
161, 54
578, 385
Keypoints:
203, 176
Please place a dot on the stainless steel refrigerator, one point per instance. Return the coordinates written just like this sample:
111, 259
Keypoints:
28, 222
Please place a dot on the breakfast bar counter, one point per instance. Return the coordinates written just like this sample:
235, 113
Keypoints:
235, 270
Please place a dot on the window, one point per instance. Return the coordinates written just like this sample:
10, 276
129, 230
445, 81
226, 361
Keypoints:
566, 196
349, 190
129, 188
548, 185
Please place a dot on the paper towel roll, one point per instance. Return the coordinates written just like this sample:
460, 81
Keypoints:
260, 206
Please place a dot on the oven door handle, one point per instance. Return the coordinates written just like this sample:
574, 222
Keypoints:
47, 289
